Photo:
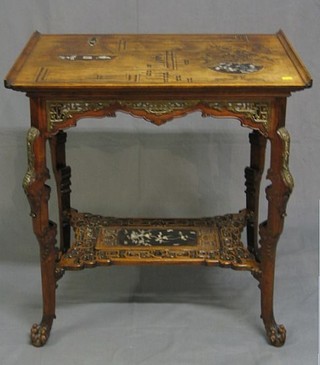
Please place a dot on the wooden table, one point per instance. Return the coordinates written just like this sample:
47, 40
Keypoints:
158, 78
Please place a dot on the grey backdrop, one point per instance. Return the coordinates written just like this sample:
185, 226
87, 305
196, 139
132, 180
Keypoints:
190, 167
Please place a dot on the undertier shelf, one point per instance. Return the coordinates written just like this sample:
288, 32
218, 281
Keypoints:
102, 241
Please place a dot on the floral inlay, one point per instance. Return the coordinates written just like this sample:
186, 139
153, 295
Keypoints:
155, 237
236, 68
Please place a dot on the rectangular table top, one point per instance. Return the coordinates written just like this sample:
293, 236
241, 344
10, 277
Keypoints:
159, 61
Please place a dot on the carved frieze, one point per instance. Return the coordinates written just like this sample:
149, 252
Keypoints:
161, 107
257, 112
59, 112
63, 113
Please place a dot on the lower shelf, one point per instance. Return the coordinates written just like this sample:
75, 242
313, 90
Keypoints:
211, 241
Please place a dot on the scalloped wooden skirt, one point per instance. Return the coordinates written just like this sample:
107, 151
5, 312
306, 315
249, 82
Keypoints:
106, 240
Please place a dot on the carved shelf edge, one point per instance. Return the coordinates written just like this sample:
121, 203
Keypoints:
253, 114
100, 241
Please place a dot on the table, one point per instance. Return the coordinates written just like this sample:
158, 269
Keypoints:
158, 78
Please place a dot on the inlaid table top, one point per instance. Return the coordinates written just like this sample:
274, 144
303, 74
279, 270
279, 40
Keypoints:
161, 61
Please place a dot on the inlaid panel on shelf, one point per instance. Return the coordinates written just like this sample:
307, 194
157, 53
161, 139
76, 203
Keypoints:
104, 241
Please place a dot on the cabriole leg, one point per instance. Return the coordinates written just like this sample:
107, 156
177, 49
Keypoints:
38, 195
277, 195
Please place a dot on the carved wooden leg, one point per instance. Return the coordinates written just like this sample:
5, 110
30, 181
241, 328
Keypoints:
253, 176
38, 195
277, 194
40, 332
62, 175
275, 333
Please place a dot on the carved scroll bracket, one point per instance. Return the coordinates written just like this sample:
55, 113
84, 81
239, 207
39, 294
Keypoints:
64, 114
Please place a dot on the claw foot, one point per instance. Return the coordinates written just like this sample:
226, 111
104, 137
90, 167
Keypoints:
276, 334
39, 334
